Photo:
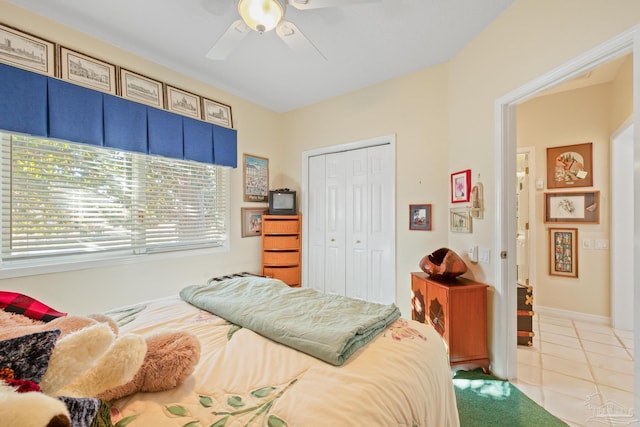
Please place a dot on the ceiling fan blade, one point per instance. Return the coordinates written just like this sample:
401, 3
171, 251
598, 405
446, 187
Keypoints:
229, 40
317, 4
298, 42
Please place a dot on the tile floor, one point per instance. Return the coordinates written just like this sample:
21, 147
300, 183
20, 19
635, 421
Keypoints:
575, 368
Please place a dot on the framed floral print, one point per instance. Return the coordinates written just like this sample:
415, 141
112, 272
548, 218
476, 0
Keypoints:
461, 186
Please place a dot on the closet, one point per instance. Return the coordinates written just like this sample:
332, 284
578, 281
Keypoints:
351, 225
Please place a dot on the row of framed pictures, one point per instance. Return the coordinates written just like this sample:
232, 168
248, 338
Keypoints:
420, 218
33, 53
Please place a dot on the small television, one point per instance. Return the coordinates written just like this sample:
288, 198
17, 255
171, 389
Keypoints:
282, 202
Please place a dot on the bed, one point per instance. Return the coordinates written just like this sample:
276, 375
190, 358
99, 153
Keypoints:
398, 377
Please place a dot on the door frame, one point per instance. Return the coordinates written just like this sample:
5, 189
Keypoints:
505, 358
304, 200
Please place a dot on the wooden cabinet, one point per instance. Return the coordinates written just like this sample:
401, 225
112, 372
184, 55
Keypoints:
281, 245
457, 309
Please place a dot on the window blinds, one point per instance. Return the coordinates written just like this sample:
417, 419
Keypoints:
61, 198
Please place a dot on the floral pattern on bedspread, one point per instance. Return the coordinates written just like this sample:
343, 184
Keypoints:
400, 330
401, 378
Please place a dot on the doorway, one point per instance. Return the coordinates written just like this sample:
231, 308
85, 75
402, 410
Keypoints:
506, 273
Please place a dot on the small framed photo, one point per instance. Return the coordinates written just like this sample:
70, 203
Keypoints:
570, 166
460, 220
460, 186
139, 88
87, 71
574, 207
252, 221
420, 217
27, 51
256, 178
217, 113
563, 252
183, 102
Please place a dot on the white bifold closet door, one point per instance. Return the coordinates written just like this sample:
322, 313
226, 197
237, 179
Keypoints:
351, 229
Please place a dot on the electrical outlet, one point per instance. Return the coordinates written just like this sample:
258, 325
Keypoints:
586, 244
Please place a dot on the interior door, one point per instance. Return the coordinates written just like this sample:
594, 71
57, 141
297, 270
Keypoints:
522, 213
335, 224
314, 220
356, 227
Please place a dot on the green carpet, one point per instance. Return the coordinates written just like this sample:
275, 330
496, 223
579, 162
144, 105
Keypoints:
484, 400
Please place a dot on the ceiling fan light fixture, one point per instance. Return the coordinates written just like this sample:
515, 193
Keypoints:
261, 15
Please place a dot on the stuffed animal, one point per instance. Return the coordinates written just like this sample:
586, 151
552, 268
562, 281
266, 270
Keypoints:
90, 359
31, 409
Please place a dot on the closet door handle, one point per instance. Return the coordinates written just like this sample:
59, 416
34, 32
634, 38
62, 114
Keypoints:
357, 241
333, 240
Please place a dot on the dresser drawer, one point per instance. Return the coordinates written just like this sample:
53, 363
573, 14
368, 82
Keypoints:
289, 275
280, 242
279, 226
281, 258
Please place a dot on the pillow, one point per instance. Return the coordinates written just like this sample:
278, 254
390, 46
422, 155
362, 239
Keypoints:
28, 355
15, 302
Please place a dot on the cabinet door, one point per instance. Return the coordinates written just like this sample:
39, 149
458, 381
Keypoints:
437, 309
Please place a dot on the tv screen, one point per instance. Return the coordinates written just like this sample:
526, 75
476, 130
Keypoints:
282, 202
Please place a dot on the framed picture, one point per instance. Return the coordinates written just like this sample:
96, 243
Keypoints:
460, 220
570, 166
217, 113
460, 186
574, 207
183, 102
27, 51
87, 71
252, 221
563, 252
420, 217
256, 178
137, 87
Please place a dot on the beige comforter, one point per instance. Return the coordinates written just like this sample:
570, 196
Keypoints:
401, 378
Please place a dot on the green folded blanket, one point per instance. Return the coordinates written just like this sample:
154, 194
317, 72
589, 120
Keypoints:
329, 327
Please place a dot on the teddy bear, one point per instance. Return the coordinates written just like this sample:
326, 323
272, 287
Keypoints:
88, 358
18, 409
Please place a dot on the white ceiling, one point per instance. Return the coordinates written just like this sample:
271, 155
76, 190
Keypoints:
364, 44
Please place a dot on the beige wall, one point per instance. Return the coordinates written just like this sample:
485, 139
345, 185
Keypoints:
589, 114
414, 109
568, 118
92, 290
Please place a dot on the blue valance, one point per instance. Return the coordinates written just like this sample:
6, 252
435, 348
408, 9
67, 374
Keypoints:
44, 106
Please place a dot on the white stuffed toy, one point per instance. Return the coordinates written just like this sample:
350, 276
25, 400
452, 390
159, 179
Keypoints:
32, 409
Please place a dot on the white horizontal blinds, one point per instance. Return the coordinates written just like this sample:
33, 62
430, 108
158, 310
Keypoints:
66, 199
182, 204
61, 198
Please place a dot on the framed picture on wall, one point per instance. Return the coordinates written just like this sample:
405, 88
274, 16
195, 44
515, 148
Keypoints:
216, 112
563, 252
460, 220
137, 87
87, 71
256, 178
183, 102
420, 217
573, 207
570, 166
252, 221
27, 51
460, 186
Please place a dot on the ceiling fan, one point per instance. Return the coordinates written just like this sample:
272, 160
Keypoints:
265, 15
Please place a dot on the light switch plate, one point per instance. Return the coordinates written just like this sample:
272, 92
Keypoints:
484, 255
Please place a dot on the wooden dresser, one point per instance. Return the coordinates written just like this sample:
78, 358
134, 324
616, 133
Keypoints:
457, 309
281, 247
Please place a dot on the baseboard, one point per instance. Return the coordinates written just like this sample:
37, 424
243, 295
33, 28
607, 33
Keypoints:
573, 315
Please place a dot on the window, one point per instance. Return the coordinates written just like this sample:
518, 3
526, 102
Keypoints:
61, 199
